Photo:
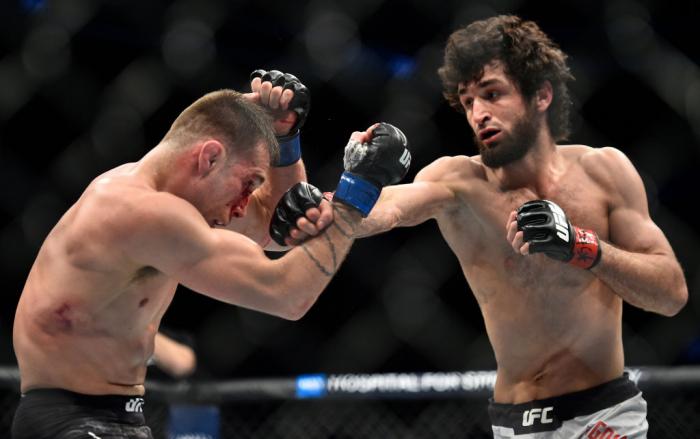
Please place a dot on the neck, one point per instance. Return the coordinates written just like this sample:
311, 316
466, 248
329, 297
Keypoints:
158, 166
537, 170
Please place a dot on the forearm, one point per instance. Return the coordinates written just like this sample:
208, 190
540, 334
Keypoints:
404, 205
308, 268
653, 282
384, 216
280, 180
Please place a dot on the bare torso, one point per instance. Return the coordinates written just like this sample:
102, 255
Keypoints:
554, 328
88, 314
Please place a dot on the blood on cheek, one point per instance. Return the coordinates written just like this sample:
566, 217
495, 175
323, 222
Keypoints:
238, 207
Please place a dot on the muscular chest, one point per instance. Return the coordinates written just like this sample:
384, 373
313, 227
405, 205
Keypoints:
477, 234
583, 202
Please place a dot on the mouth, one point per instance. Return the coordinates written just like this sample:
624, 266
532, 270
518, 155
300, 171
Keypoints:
489, 135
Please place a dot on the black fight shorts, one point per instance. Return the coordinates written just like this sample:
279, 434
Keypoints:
60, 414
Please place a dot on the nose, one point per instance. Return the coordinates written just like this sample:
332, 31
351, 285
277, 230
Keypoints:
480, 114
238, 211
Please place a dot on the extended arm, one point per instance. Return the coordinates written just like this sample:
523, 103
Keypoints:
168, 234
411, 204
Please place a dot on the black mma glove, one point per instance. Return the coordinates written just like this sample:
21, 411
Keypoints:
370, 166
292, 206
546, 228
300, 103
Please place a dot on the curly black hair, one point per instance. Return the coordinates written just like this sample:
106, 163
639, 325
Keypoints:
529, 58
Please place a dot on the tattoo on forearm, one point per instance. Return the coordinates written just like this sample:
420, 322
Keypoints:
331, 247
317, 262
347, 222
346, 229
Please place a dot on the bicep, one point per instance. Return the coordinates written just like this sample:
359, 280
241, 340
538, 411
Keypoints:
234, 269
222, 264
630, 225
413, 203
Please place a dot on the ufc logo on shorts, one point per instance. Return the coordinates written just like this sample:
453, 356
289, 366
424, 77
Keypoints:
134, 405
529, 416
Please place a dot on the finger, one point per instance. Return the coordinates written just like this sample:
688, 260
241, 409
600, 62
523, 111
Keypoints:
255, 84
312, 214
298, 235
264, 91
512, 229
253, 97
306, 226
291, 242
326, 215
361, 136
286, 98
275, 95
512, 217
370, 130
525, 249
517, 241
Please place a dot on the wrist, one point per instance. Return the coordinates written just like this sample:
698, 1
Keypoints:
356, 192
289, 148
349, 213
586, 250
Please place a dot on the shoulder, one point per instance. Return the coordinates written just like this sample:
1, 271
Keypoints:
610, 168
127, 210
604, 164
452, 168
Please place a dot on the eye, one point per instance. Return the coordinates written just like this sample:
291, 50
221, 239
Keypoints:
468, 102
491, 95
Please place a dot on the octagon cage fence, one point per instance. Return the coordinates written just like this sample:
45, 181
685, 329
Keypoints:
388, 405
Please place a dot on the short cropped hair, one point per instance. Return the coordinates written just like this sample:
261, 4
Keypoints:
529, 58
227, 116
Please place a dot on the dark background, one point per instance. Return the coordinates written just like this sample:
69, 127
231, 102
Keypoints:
86, 85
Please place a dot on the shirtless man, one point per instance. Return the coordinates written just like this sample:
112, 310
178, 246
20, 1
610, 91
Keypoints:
551, 294
88, 315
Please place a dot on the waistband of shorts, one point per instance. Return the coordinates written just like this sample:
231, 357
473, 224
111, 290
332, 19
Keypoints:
548, 414
118, 404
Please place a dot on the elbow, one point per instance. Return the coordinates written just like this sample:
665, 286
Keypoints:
295, 307
678, 300
677, 297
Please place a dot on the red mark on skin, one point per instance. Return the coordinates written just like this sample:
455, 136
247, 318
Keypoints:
238, 207
509, 263
64, 322
143, 302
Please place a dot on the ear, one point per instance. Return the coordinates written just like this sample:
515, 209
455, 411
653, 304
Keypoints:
211, 153
543, 96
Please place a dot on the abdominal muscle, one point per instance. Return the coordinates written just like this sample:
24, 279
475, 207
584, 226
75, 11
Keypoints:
548, 340
71, 339
86, 360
